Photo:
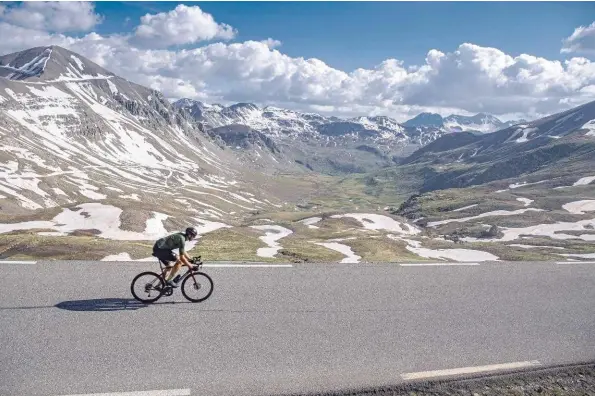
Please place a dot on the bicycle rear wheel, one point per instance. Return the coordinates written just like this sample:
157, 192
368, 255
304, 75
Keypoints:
147, 287
197, 287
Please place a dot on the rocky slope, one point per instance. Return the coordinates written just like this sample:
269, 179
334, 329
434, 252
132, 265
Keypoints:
563, 142
73, 132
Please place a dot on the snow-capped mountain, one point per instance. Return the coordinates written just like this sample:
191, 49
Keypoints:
483, 123
74, 132
277, 122
563, 142
304, 138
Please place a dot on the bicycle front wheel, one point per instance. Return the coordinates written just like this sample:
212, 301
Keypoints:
197, 287
147, 287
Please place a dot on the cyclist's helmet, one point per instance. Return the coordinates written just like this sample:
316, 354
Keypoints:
191, 232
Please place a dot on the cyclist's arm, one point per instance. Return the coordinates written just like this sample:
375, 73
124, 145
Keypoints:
185, 259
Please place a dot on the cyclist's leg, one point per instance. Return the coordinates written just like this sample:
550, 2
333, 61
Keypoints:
174, 270
167, 257
172, 257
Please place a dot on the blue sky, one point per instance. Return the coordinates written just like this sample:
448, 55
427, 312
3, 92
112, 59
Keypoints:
510, 59
348, 35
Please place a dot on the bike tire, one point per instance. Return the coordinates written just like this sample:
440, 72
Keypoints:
147, 300
200, 274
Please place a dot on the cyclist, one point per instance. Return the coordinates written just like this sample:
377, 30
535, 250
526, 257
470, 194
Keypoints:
164, 251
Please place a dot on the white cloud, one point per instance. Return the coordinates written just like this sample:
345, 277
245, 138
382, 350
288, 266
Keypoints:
472, 78
24, 38
469, 79
271, 43
54, 16
582, 40
182, 25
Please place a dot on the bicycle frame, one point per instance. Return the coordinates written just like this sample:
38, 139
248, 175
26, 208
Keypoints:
193, 261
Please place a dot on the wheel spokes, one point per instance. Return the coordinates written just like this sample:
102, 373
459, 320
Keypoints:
147, 287
197, 287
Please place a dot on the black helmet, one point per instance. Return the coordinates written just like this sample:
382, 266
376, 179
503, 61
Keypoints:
191, 232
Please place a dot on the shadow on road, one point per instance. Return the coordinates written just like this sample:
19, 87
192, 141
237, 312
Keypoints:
99, 305
102, 304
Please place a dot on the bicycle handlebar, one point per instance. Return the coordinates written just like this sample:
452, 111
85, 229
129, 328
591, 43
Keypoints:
196, 261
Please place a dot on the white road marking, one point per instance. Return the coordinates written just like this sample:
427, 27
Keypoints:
435, 264
167, 392
248, 265
469, 370
145, 262
574, 262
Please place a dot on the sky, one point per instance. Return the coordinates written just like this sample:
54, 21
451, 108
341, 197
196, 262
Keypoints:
510, 59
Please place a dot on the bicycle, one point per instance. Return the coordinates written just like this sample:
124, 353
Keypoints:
156, 283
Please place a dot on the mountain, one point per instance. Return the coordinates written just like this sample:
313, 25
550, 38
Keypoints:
113, 165
426, 120
72, 132
49, 64
318, 143
557, 144
479, 123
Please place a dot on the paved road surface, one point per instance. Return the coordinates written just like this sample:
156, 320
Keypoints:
71, 328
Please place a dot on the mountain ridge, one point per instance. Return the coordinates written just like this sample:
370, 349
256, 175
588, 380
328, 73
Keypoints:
306, 139
251, 115
73, 132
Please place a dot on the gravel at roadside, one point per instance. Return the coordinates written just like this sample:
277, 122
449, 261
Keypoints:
578, 380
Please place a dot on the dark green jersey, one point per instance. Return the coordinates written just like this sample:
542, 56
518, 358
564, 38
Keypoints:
173, 241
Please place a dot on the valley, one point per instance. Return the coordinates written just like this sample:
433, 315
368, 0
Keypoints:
93, 166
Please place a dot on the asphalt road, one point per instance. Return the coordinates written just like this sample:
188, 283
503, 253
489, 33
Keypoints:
72, 328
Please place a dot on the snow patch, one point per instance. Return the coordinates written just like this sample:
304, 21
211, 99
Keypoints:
350, 256
112, 87
105, 218
133, 197
526, 201
87, 191
78, 62
464, 208
554, 231
459, 255
380, 222
580, 207
34, 67
311, 221
272, 234
118, 257
487, 214
524, 184
590, 127
579, 255
30, 184
114, 189
27, 225
205, 226
584, 181
526, 133
535, 246
24, 201
49, 92
521, 184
